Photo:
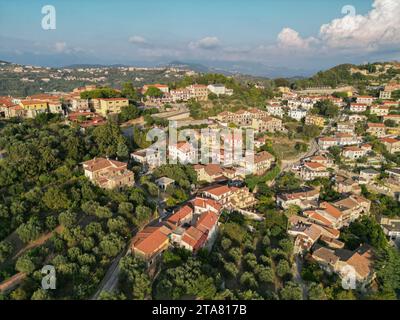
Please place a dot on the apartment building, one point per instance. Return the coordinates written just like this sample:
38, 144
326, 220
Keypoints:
275, 110
198, 92
260, 163
392, 145
376, 129
326, 142
368, 100
315, 120
358, 107
353, 152
297, 114
183, 152
303, 199
111, 106
219, 89
313, 170
32, 108
379, 110
267, 124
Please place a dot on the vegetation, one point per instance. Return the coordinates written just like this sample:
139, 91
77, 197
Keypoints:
43, 187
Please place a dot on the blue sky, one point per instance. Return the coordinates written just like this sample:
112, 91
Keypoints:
285, 33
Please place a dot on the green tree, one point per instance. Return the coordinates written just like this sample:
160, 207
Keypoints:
67, 219
282, 268
25, 264
154, 92
316, 292
29, 231
291, 291
5, 250
111, 245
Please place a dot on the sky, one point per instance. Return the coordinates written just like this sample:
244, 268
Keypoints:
292, 34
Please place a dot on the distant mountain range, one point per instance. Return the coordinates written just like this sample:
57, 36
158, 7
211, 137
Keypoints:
247, 68
217, 66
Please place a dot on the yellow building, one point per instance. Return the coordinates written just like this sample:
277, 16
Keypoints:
111, 105
394, 130
34, 107
315, 120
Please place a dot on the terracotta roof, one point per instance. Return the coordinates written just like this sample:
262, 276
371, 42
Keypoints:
361, 263
389, 140
213, 169
262, 156
218, 190
204, 203
150, 239
315, 166
102, 163
181, 214
318, 217
327, 139
30, 102
331, 210
207, 221
183, 146
113, 99
325, 255
313, 232
376, 125
194, 237
318, 158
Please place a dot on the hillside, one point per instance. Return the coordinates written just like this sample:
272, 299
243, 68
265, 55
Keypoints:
350, 74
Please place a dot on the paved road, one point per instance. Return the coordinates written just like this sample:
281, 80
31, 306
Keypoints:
110, 281
297, 266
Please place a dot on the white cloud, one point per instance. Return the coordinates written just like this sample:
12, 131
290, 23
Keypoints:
380, 27
290, 39
378, 30
60, 47
208, 43
137, 40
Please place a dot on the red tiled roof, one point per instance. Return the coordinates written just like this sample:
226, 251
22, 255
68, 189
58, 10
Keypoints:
330, 209
218, 191
150, 239
181, 214
102, 163
207, 221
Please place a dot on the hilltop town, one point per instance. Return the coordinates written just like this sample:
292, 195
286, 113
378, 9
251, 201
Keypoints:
201, 186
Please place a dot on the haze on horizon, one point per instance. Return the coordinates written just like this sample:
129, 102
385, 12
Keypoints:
256, 36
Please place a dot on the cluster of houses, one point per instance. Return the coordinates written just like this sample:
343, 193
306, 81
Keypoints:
197, 92
85, 112
194, 225
225, 160
256, 119
317, 229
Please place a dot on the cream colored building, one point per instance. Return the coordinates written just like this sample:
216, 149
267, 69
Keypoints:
111, 105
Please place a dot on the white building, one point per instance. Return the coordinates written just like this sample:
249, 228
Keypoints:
183, 152
312, 170
354, 152
220, 89
275, 110
297, 114
358, 107
365, 99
